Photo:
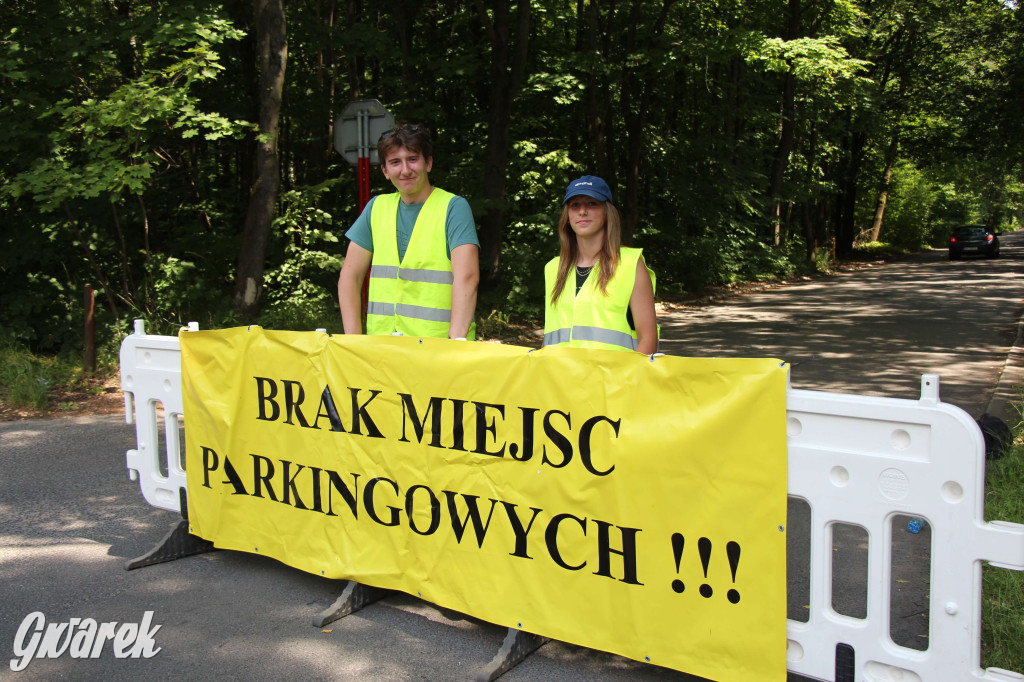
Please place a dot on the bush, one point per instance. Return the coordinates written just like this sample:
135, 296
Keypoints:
301, 289
28, 380
913, 201
879, 250
22, 384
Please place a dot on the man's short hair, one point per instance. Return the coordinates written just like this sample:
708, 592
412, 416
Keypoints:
415, 138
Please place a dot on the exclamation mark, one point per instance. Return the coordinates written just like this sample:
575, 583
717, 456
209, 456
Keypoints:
677, 549
704, 549
732, 550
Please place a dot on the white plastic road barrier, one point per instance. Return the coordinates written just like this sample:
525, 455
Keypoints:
854, 460
151, 379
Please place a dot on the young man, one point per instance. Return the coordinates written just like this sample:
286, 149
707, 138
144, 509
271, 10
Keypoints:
420, 247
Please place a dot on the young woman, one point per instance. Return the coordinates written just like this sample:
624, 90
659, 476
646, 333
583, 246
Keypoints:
599, 294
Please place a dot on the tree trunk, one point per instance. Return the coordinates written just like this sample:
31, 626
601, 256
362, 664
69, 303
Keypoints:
326, 71
883, 192
597, 99
786, 133
782, 153
508, 62
812, 230
354, 62
404, 13
634, 114
847, 204
635, 105
273, 55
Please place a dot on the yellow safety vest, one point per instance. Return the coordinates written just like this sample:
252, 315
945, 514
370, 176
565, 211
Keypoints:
590, 319
412, 296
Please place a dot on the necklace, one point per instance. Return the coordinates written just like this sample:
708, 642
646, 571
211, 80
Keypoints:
581, 276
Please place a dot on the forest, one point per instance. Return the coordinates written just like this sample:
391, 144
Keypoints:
178, 158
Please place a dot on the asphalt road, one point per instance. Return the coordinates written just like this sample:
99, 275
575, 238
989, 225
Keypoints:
875, 331
70, 518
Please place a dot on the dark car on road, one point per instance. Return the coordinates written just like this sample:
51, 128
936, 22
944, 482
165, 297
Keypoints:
973, 240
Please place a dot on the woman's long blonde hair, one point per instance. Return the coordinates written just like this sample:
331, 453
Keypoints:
569, 251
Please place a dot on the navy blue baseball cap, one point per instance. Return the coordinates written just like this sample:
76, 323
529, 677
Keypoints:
590, 185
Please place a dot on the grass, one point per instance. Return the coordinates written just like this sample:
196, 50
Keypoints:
25, 379
1002, 610
39, 384
879, 250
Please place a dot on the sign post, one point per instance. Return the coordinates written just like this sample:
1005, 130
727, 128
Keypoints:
356, 131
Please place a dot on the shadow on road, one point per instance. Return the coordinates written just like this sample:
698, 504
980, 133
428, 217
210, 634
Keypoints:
874, 331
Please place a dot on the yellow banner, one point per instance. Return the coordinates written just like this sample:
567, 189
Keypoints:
608, 499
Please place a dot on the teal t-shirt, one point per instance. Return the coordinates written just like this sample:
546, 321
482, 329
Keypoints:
459, 226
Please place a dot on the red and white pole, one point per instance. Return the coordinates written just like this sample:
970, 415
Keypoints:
364, 188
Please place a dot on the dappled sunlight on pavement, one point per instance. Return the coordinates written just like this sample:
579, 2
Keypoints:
874, 331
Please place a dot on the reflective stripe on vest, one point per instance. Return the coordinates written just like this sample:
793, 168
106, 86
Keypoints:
405, 310
412, 296
411, 274
591, 319
596, 334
